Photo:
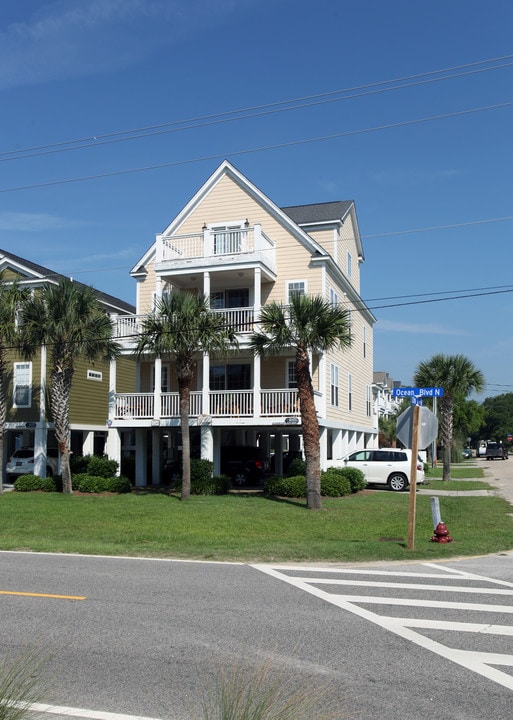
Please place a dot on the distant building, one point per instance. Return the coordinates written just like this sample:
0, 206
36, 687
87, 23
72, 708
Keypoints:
384, 403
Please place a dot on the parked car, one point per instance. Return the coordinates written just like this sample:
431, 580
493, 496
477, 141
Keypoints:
245, 464
467, 453
21, 462
386, 466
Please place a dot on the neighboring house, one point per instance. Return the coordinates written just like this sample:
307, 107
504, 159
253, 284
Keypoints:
28, 423
384, 402
234, 244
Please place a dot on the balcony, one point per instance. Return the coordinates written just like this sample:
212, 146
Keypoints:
221, 404
211, 249
128, 327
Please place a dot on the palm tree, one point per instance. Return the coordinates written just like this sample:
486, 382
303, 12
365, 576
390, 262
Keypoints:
12, 297
309, 325
183, 325
458, 377
69, 319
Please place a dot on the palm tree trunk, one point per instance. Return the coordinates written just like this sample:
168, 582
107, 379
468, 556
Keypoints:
59, 398
310, 431
446, 412
184, 391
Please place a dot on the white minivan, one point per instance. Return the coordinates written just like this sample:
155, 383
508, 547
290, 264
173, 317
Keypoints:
386, 466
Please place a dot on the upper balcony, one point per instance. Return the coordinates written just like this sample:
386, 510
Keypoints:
216, 249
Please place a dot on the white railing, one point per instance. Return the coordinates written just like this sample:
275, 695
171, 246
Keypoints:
233, 403
211, 243
240, 319
236, 403
134, 405
170, 404
179, 247
279, 402
127, 326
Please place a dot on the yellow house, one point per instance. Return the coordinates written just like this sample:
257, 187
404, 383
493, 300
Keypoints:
28, 423
234, 244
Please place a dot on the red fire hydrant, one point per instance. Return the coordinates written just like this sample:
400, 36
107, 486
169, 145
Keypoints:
441, 534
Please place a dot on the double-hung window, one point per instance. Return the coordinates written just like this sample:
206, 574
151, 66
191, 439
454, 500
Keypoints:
334, 384
22, 385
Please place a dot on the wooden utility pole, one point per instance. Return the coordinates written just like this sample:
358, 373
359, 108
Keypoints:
413, 477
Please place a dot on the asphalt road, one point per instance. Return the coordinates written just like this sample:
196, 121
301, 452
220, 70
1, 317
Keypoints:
145, 637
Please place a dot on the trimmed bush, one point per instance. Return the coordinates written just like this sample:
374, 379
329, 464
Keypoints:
286, 487
82, 482
32, 483
97, 465
217, 485
297, 467
354, 475
334, 484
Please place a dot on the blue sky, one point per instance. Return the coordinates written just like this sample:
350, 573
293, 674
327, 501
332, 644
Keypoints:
428, 159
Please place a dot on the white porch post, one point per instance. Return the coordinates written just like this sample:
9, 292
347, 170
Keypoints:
157, 391
113, 446
257, 365
140, 457
111, 412
207, 442
156, 455
323, 442
88, 442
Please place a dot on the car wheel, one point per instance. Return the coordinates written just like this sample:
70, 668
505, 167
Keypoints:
239, 478
49, 471
397, 482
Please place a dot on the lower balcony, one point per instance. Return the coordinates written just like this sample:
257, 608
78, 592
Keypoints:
221, 404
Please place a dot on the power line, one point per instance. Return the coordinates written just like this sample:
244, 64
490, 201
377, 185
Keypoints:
256, 110
247, 151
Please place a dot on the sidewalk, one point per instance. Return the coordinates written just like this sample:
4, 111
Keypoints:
498, 473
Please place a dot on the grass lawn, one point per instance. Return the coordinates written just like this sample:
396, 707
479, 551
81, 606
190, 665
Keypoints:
457, 472
369, 526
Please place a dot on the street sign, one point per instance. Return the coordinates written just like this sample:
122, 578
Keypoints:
417, 392
428, 427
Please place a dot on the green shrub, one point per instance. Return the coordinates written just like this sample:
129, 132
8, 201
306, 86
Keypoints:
32, 483
82, 482
297, 467
217, 485
354, 475
286, 487
97, 465
334, 483
102, 466
201, 470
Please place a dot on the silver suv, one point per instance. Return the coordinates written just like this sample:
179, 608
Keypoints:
21, 462
387, 466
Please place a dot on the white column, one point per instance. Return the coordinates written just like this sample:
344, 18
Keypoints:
207, 443
206, 284
40, 435
158, 388
156, 455
113, 446
111, 413
140, 457
323, 437
88, 443
205, 385
257, 365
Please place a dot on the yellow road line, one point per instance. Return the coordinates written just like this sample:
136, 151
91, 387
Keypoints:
43, 595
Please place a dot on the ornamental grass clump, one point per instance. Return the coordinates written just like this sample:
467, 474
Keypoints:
264, 693
21, 684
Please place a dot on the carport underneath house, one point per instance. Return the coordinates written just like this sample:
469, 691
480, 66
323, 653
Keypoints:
149, 445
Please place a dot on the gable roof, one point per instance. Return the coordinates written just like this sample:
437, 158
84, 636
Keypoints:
319, 212
227, 169
33, 271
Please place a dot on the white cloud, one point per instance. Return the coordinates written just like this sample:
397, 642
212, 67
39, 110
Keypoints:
33, 222
420, 328
73, 38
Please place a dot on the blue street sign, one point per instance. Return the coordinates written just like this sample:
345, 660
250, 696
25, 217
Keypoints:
417, 392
